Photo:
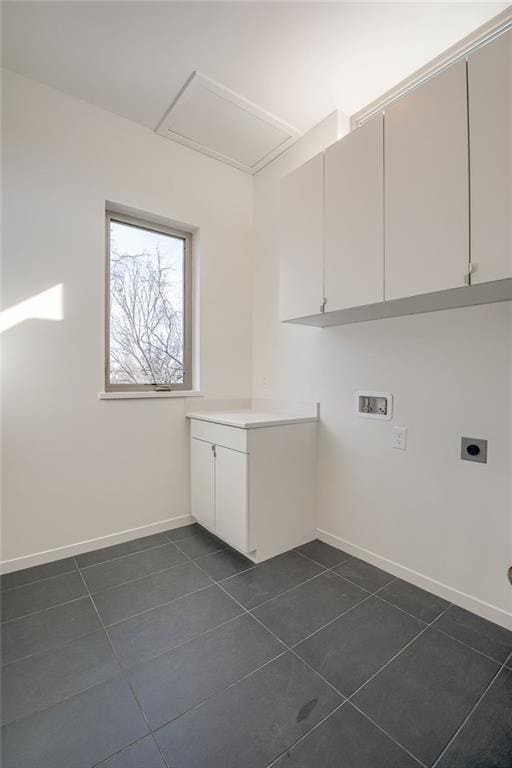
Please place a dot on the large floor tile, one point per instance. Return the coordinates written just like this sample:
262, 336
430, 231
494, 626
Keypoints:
479, 633
346, 739
223, 564
48, 678
485, 741
163, 628
323, 553
28, 575
251, 722
270, 578
184, 532
173, 683
364, 574
200, 545
120, 550
351, 649
42, 594
121, 602
424, 694
308, 607
142, 754
115, 572
50, 628
78, 732
412, 599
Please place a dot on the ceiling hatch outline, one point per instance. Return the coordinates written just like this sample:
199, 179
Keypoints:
218, 122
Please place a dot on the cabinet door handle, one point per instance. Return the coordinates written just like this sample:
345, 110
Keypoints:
214, 450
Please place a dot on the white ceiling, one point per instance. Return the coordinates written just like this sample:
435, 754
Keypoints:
298, 61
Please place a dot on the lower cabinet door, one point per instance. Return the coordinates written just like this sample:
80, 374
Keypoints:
203, 483
231, 502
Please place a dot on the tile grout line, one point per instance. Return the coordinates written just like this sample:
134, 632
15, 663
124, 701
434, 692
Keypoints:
421, 632
407, 613
275, 760
52, 648
166, 543
42, 610
129, 667
119, 751
392, 738
280, 594
221, 691
347, 610
332, 569
331, 621
159, 605
7, 590
471, 711
327, 567
472, 648
123, 673
138, 578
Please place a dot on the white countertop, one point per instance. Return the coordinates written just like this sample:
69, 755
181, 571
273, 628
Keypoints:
247, 419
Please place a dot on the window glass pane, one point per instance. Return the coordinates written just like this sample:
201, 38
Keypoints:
146, 306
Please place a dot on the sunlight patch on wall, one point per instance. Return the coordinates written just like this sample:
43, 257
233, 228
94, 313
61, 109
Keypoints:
46, 305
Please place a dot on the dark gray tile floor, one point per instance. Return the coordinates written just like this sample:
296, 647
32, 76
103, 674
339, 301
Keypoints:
174, 650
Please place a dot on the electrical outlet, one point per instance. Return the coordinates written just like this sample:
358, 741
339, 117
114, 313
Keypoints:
400, 438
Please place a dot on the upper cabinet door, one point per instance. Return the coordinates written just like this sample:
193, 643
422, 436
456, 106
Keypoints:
354, 236
426, 187
490, 122
302, 240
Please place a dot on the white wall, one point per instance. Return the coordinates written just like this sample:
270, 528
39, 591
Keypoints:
77, 468
423, 514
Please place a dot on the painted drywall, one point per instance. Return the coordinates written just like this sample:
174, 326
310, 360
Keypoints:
77, 468
422, 513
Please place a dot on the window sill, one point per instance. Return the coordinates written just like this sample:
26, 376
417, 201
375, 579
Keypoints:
148, 395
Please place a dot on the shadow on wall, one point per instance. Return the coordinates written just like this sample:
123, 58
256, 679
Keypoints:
46, 305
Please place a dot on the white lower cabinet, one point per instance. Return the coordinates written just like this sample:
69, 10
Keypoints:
255, 487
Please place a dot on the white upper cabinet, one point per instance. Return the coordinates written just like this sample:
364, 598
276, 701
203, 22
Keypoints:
354, 244
427, 188
302, 240
490, 118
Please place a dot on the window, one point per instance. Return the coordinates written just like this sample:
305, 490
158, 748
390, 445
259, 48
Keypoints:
148, 334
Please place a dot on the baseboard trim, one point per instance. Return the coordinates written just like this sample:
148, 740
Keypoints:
474, 604
48, 555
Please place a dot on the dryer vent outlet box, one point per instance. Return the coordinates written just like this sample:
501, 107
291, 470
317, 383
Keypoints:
374, 405
473, 449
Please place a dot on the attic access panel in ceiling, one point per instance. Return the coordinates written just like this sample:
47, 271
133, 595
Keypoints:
220, 123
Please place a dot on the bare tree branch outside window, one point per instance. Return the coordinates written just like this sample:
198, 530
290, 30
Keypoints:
146, 306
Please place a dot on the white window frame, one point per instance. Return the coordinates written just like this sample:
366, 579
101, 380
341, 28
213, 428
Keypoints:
145, 223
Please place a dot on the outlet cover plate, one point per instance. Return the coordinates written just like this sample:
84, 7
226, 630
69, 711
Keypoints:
473, 449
